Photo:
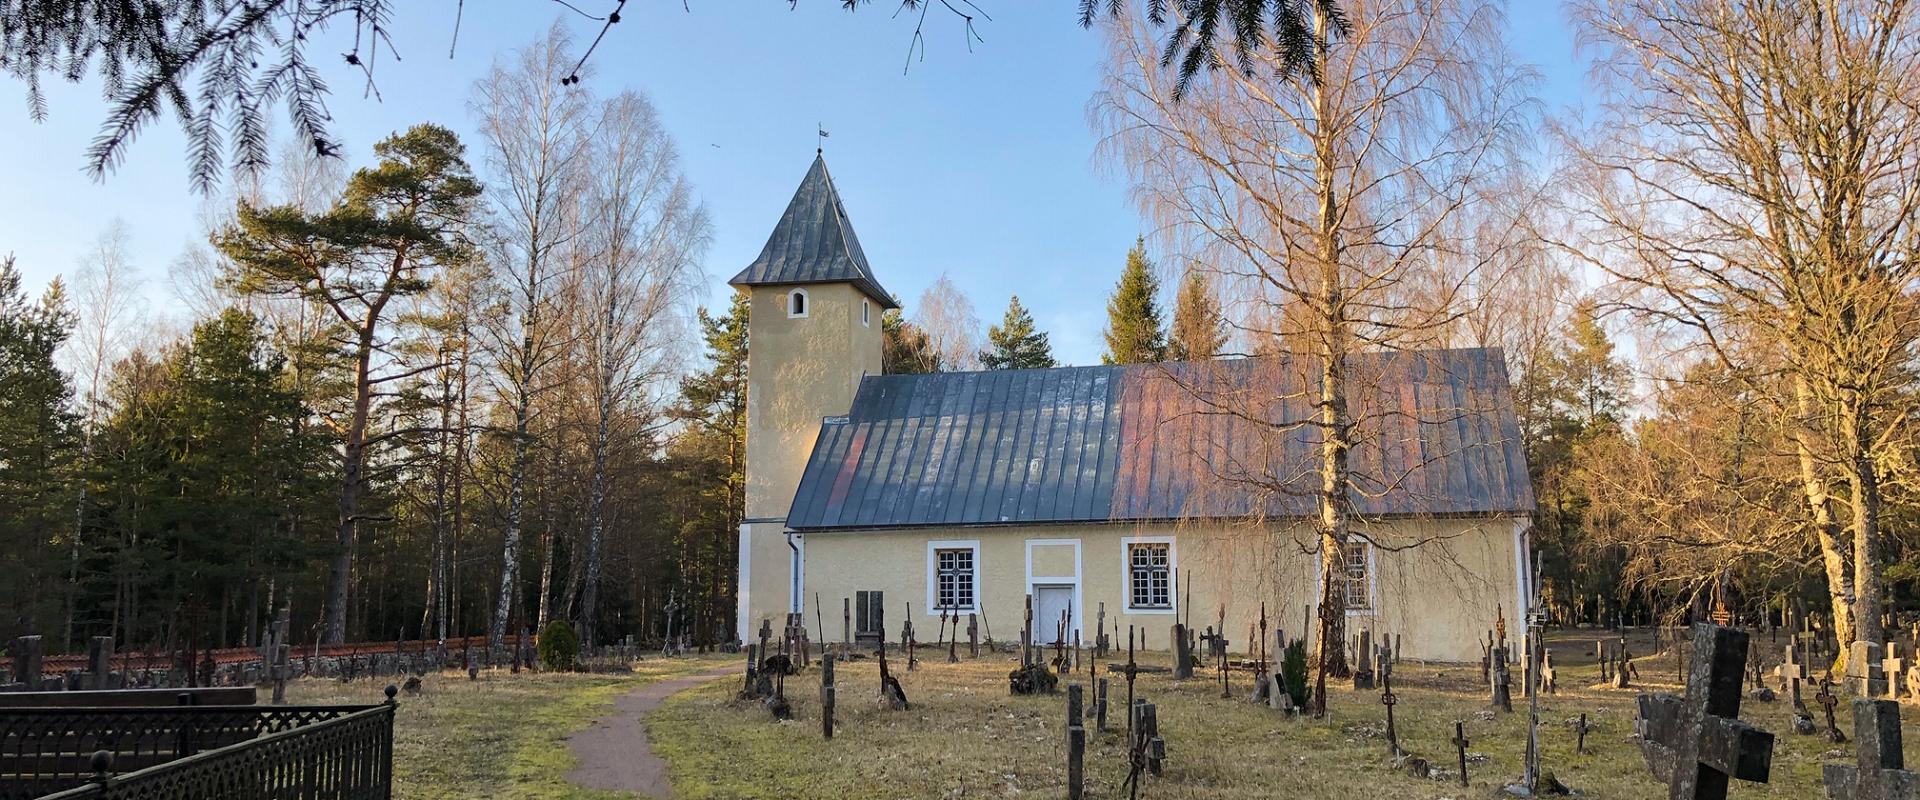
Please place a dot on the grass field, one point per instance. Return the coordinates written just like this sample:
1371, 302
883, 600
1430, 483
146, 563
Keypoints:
965, 737
503, 736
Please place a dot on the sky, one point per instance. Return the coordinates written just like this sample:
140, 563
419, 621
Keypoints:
977, 163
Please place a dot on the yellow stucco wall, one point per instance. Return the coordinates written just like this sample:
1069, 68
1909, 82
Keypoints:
1439, 596
799, 369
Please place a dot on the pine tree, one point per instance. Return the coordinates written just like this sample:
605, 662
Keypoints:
1016, 343
1199, 330
38, 443
1133, 334
906, 349
708, 470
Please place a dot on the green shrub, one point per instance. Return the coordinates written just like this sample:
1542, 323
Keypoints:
1293, 671
559, 647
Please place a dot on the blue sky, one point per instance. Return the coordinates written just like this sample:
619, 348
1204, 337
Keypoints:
977, 164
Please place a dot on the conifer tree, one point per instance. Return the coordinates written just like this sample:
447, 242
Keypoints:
1016, 343
37, 446
905, 348
1199, 330
1134, 334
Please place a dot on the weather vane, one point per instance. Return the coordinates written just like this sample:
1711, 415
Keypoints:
820, 144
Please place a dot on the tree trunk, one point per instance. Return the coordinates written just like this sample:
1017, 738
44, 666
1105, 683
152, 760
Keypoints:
1333, 418
516, 503
1864, 481
597, 498
353, 465
1840, 589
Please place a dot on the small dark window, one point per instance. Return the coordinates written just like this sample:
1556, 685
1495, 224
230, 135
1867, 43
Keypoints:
869, 614
797, 303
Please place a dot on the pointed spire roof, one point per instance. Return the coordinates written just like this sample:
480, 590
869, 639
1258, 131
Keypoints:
814, 243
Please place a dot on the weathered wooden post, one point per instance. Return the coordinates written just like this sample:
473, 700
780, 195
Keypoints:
973, 635
1076, 743
1100, 705
826, 696
846, 626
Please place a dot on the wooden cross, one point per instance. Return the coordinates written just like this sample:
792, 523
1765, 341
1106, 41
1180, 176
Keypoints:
1880, 773
1460, 743
1580, 729
1698, 744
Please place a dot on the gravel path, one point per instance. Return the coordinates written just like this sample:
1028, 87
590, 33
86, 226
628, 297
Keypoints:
614, 753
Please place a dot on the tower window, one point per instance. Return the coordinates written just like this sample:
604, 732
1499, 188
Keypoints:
866, 313
797, 303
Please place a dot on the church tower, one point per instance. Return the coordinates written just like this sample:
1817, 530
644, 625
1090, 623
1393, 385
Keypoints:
812, 334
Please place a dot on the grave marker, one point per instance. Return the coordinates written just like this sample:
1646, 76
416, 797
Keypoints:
1076, 745
1460, 743
1894, 668
1697, 744
1880, 770
1863, 670
826, 696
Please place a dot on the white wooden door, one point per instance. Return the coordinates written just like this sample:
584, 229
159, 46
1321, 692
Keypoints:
1049, 603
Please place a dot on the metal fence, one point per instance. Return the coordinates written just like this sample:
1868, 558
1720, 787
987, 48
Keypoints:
201, 752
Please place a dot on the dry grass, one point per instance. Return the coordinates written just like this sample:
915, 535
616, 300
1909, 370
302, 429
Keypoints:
966, 737
503, 736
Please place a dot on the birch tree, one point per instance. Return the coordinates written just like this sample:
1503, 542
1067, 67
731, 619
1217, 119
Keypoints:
647, 233
1753, 186
537, 134
1330, 208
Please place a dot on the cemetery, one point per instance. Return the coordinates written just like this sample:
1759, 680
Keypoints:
1393, 399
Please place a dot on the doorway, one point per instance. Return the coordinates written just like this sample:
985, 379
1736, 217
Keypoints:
1050, 602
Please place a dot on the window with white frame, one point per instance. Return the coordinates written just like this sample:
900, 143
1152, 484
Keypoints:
797, 303
953, 571
866, 313
1359, 577
1149, 575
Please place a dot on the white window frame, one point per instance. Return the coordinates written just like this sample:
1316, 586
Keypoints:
1371, 565
933, 574
1173, 575
806, 304
1373, 579
866, 313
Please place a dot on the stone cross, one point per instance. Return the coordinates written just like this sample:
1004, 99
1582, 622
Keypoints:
1791, 668
1880, 773
1894, 667
1698, 744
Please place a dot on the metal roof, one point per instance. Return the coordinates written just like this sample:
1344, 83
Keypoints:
1436, 436
814, 243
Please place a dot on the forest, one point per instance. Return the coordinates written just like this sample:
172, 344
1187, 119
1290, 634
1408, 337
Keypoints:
467, 387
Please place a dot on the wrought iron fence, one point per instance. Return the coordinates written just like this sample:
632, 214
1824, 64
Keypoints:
203, 751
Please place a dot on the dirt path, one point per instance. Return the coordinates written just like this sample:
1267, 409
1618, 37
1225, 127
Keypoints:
614, 753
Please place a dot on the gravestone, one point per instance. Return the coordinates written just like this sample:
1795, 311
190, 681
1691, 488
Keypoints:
1182, 653
1500, 688
1879, 772
1791, 668
28, 653
1894, 668
1547, 683
1363, 677
1698, 744
99, 663
1863, 670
